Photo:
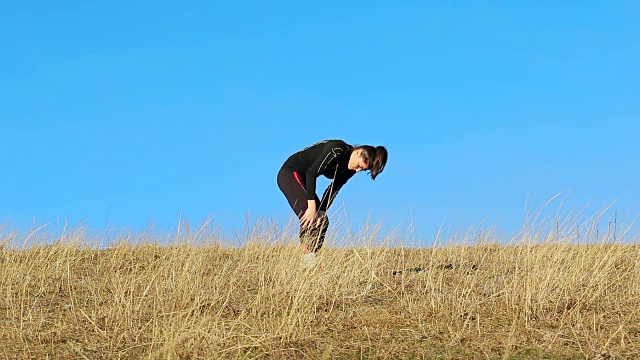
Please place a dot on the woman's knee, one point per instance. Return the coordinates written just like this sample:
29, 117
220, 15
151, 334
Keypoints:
313, 238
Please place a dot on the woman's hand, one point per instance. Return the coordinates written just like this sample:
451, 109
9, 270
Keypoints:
309, 218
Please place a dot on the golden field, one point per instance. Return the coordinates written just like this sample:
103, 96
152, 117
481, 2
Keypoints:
537, 296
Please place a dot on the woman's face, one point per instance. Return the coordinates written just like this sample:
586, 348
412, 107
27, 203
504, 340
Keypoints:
356, 162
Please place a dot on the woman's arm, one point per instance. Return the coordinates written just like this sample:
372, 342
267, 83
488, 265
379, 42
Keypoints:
330, 151
331, 191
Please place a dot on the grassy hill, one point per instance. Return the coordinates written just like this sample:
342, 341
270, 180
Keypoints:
537, 299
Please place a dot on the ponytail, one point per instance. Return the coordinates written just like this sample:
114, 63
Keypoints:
379, 161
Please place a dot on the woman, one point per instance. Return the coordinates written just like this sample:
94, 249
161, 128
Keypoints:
334, 159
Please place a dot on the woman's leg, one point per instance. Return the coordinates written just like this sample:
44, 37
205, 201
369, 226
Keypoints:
293, 188
313, 238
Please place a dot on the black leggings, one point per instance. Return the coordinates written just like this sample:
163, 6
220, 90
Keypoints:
293, 188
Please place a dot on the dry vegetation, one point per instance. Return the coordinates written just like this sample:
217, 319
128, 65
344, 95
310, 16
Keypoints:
542, 297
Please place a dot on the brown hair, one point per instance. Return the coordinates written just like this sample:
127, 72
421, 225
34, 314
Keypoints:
374, 157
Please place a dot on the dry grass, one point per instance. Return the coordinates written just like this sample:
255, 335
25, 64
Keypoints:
539, 298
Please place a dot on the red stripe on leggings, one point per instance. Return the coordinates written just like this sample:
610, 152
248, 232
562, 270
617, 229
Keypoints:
295, 175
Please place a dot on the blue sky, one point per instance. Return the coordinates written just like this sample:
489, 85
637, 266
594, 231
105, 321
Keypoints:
118, 114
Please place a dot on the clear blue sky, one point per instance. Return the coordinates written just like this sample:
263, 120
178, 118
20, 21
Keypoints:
118, 113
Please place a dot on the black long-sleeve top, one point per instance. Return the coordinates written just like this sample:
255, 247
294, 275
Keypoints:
329, 158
